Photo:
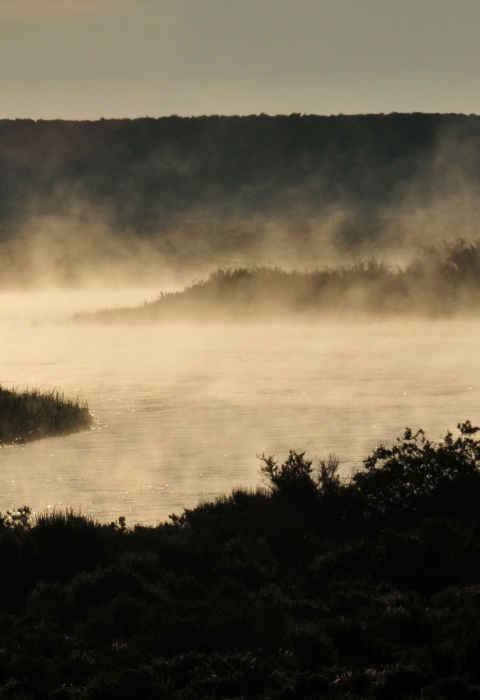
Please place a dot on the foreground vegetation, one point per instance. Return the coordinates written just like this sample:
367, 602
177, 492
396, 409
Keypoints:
33, 414
439, 282
311, 587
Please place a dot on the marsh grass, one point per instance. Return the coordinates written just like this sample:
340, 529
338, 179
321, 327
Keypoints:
439, 282
33, 414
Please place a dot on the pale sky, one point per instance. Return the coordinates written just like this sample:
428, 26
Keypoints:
86, 59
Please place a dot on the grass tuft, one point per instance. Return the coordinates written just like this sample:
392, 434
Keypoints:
33, 414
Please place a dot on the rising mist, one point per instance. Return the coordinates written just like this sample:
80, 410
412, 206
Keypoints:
140, 201
440, 282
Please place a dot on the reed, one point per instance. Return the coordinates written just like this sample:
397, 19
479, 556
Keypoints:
439, 282
33, 414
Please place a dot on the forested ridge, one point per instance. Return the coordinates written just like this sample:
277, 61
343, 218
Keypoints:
151, 169
212, 190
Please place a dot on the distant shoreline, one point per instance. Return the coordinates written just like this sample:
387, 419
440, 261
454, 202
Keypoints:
440, 282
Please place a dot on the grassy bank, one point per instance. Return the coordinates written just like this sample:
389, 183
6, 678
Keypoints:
311, 587
439, 282
34, 414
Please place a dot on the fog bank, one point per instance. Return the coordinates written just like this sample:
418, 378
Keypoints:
440, 282
148, 200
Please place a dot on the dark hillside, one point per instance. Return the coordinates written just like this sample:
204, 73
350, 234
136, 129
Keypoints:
205, 187
171, 165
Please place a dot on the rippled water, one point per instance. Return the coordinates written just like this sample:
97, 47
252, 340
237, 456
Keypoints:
181, 413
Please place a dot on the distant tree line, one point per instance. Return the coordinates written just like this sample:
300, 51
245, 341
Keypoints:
150, 172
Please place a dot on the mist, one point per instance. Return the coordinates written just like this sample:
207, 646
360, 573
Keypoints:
180, 412
162, 201
439, 282
367, 225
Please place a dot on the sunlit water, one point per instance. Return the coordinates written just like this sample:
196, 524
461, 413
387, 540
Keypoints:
181, 413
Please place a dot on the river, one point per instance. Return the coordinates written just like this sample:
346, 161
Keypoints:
182, 412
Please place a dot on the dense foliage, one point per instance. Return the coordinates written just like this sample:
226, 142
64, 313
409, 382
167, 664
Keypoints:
313, 587
440, 282
33, 414
172, 166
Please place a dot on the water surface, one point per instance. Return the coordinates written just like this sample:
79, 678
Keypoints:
181, 413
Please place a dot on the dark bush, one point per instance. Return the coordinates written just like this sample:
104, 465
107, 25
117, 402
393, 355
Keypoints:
417, 478
315, 587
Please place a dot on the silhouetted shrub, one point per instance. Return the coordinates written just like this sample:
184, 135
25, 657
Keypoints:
281, 593
417, 478
67, 542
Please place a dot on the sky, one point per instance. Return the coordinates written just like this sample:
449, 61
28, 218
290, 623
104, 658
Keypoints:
86, 59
